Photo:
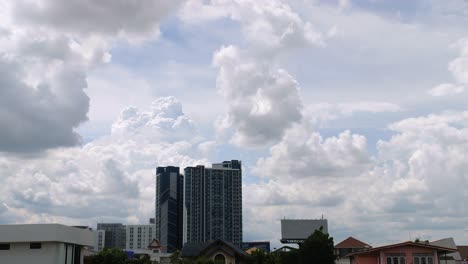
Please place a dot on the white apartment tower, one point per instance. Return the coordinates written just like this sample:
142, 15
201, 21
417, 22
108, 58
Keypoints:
139, 236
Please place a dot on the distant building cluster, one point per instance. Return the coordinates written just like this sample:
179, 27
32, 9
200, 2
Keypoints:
199, 213
203, 204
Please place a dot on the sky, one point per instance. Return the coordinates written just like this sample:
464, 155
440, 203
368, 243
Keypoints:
354, 110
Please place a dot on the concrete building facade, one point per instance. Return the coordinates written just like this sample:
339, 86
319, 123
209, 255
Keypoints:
43, 244
99, 239
139, 236
169, 208
213, 203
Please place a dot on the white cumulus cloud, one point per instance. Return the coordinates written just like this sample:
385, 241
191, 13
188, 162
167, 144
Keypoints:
262, 100
108, 179
165, 120
446, 89
459, 66
303, 154
266, 24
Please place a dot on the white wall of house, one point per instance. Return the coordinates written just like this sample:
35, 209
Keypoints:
21, 253
57, 243
49, 253
343, 261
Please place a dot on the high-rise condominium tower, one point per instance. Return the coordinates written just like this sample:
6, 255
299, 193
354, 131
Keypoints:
169, 208
213, 203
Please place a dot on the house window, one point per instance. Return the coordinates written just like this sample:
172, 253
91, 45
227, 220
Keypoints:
77, 254
396, 259
35, 245
220, 258
4, 246
423, 259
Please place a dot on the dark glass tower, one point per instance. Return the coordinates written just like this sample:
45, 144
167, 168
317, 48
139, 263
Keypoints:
115, 235
213, 203
169, 208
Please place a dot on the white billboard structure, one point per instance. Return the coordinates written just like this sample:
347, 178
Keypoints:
296, 231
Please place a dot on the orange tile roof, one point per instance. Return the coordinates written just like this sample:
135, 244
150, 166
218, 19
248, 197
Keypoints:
251, 250
352, 242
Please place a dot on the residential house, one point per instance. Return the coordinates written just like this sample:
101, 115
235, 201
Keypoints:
401, 253
218, 250
451, 258
347, 246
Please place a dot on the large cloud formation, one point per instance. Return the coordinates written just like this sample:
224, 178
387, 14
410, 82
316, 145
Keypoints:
408, 180
42, 96
108, 17
48, 47
108, 179
262, 98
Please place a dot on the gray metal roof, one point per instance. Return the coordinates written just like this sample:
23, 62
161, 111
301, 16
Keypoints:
46, 233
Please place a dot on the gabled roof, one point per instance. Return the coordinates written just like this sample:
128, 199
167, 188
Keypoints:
352, 242
154, 244
194, 249
404, 244
285, 248
463, 250
448, 243
198, 249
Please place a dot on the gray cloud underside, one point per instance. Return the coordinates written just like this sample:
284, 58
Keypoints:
40, 117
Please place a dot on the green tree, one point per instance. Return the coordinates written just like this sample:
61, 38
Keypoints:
204, 260
279, 257
142, 260
115, 256
317, 249
175, 257
258, 257
109, 256
288, 257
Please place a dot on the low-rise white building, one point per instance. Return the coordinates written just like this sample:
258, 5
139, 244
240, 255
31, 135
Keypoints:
43, 244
